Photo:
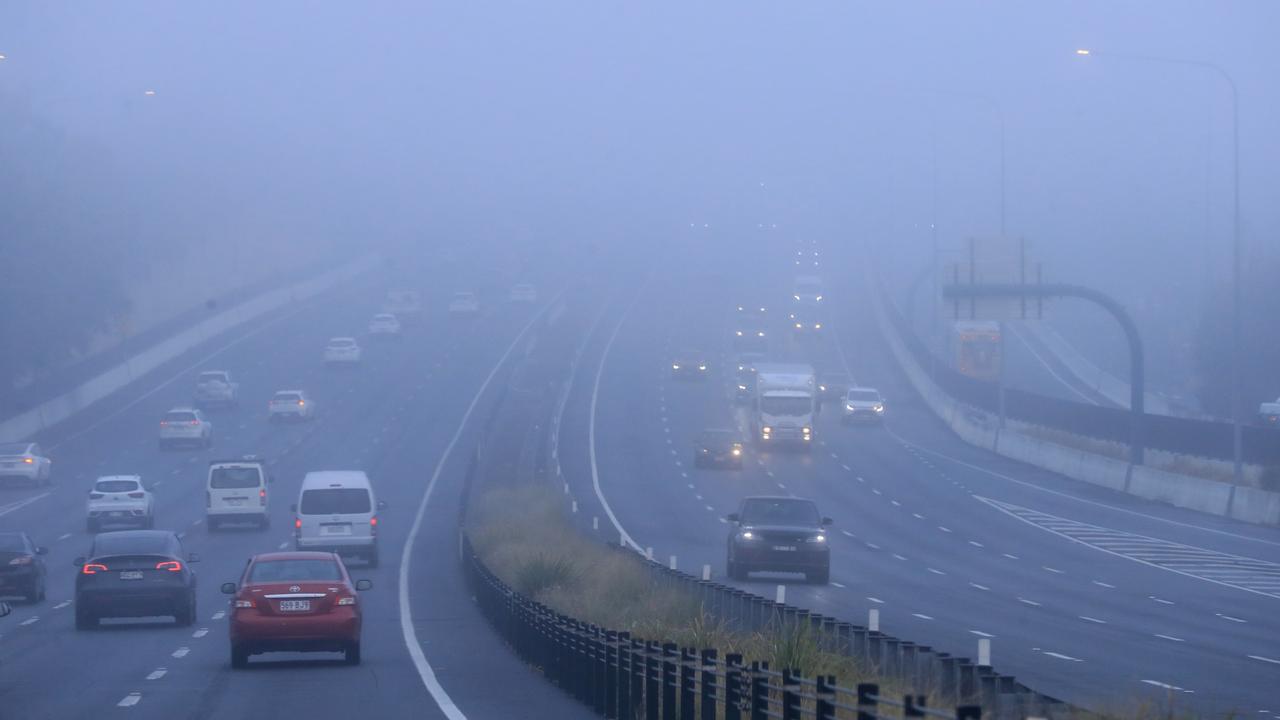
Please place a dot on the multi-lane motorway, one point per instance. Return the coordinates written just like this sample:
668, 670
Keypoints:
1088, 595
397, 417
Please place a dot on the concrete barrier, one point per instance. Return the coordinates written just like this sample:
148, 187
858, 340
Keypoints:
1181, 490
1256, 506
58, 409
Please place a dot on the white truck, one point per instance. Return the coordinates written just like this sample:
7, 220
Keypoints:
785, 405
216, 388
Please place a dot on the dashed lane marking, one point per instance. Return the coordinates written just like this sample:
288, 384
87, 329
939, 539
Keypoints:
877, 601
976, 544
980, 587
1011, 557
62, 604
1232, 619
1054, 570
1060, 656
64, 536
1162, 601
130, 700
935, 571
157, 673
839, 585
1169, 637
181, 652
1166, 686
979, 633
219, 615
200, 633
917, 516
944, 529
1260, 577
1086, 618
1102, 584
899, 557
31, 620
1032, 603
922, 616
1273, 661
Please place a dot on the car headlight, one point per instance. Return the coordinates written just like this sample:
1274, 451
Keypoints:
675, 366
702, 367
760, 334
817, 326
746, 535
817, 539
806, 430
796, 297
766, 429
819, 298
742, 387
879, 408
737, 451
848, 407
799, 326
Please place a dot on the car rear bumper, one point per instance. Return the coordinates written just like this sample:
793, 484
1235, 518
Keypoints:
120, 514
133, 602
338, 544
332, 631
30, 473
22, 578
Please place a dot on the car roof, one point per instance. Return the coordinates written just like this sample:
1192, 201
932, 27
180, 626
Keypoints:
213, 372
343, 338
335, 478
293, 555
298, 392
772, 498
864, 389
180, 409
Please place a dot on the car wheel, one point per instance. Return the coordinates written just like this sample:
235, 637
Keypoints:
85, 620
352, 654
239, 658
186, 615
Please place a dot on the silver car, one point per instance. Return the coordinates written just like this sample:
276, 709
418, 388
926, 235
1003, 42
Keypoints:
185, 426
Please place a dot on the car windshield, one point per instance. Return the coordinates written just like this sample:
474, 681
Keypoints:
228, 478
286, 397
12, 542
335, 501
793, 406
181, 416
293, 569
132, 543
780, 511
213, 377
863, 395
116, 486
14, 448
719, 438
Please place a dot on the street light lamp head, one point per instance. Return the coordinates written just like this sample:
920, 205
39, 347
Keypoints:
149, 93
1083, 51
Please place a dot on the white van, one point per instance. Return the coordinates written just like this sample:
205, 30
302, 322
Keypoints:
236, 492
338, 512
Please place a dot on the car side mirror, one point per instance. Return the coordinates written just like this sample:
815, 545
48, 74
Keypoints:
78, 562
382, 504
826, 521
228, 588
732, 517
42, 550
293, 507
364, 584
193, 558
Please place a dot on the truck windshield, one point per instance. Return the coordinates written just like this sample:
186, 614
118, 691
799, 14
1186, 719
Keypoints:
786, 405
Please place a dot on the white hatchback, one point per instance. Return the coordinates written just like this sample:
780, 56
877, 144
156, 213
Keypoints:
464, 303
119, 500
24, 461
185, 426
342, 351
290, 405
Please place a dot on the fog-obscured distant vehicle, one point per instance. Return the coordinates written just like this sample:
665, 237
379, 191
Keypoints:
689, 365
403, 303
185, 426
135, 573
24, 462
22, 569
236, 492
295, 602
342, 351
385, 325
806, 320
215, 388
833, 386
1269, 413
524, 293
119, 500
807, 290
464, 303
290, 405
779, 534
863, 404
718, 448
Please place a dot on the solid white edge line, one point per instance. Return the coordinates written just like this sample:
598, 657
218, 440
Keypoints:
427, 675
591, 430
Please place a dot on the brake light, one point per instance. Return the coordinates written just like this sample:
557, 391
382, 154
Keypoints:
373, 525
244, 603
262, 497
137, 495
21, 560
301, 403
170, 565
27, 460
194, 422
297, 523
93, 568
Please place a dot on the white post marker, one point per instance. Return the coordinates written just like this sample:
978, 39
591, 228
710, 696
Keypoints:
575, 506
648, 553
873, 620
566, 487
984, 651
781, 596
706, 572
673, 562
595, 522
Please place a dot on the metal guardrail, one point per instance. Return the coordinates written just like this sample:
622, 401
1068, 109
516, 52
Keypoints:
621, 676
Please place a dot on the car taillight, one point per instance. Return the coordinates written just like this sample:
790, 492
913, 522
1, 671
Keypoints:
244, 603
164, 423
28, 460
170, 565
262, 497
21, 560
194, 422
346, 600
95, 496
301, 403
93, 568
373, 525
137, 495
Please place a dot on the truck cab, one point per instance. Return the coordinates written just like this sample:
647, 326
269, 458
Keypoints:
785, 405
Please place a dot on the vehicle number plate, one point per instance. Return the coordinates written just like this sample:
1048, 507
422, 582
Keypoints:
235, 502
295, 605
117, 513
131, 575
337, 529
785, 548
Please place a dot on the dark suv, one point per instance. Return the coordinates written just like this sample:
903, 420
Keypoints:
717, 448
135, 573
779, 534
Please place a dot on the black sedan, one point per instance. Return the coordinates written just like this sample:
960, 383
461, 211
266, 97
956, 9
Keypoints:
779, 534
718, 448
135, 573
22, 570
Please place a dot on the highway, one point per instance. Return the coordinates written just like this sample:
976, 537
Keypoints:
398, 416
1091, 596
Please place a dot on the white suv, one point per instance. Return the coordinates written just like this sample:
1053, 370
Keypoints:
185, 426
236, 491
24, 461
342, 350
120, 499
290, 405
862, 403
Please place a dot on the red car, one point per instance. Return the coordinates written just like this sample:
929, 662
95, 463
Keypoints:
295, 601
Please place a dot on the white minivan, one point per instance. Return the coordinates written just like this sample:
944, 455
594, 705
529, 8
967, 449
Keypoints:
338, 512
236, 492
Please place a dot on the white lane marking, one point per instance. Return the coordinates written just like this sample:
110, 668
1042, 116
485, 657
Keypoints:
922, 616
1102, 584
861, 480
1166, 686
1232, 619
1273, 661
877, 601
975, 543
980, 587
917, 516
935, 572
407, 628
1170, 637
684, 474
1162, 601
31, 620
130, 700
1032, 603
896, 503
283, 545
200, 633
1054, 570
62, 604
1086, 618
873, 546
846, 467
690, 486
1060, 656
64, 536
1011, 557
726, 522
157, 673
839, 585
783, 486
848, 534
979, 633
944, 529
874, 490
181, 652
899, 557
219, 615
22, 503
711, 508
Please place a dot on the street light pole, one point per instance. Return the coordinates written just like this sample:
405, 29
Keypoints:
1237, 303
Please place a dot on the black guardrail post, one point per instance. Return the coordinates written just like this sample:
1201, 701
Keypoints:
652, 681
708, 684
969, 712
670, 653
733, 686
626, 671
759, 690
612, 640
688, 683
824, 707
600, 654
790, 695
913, 705
867, 694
